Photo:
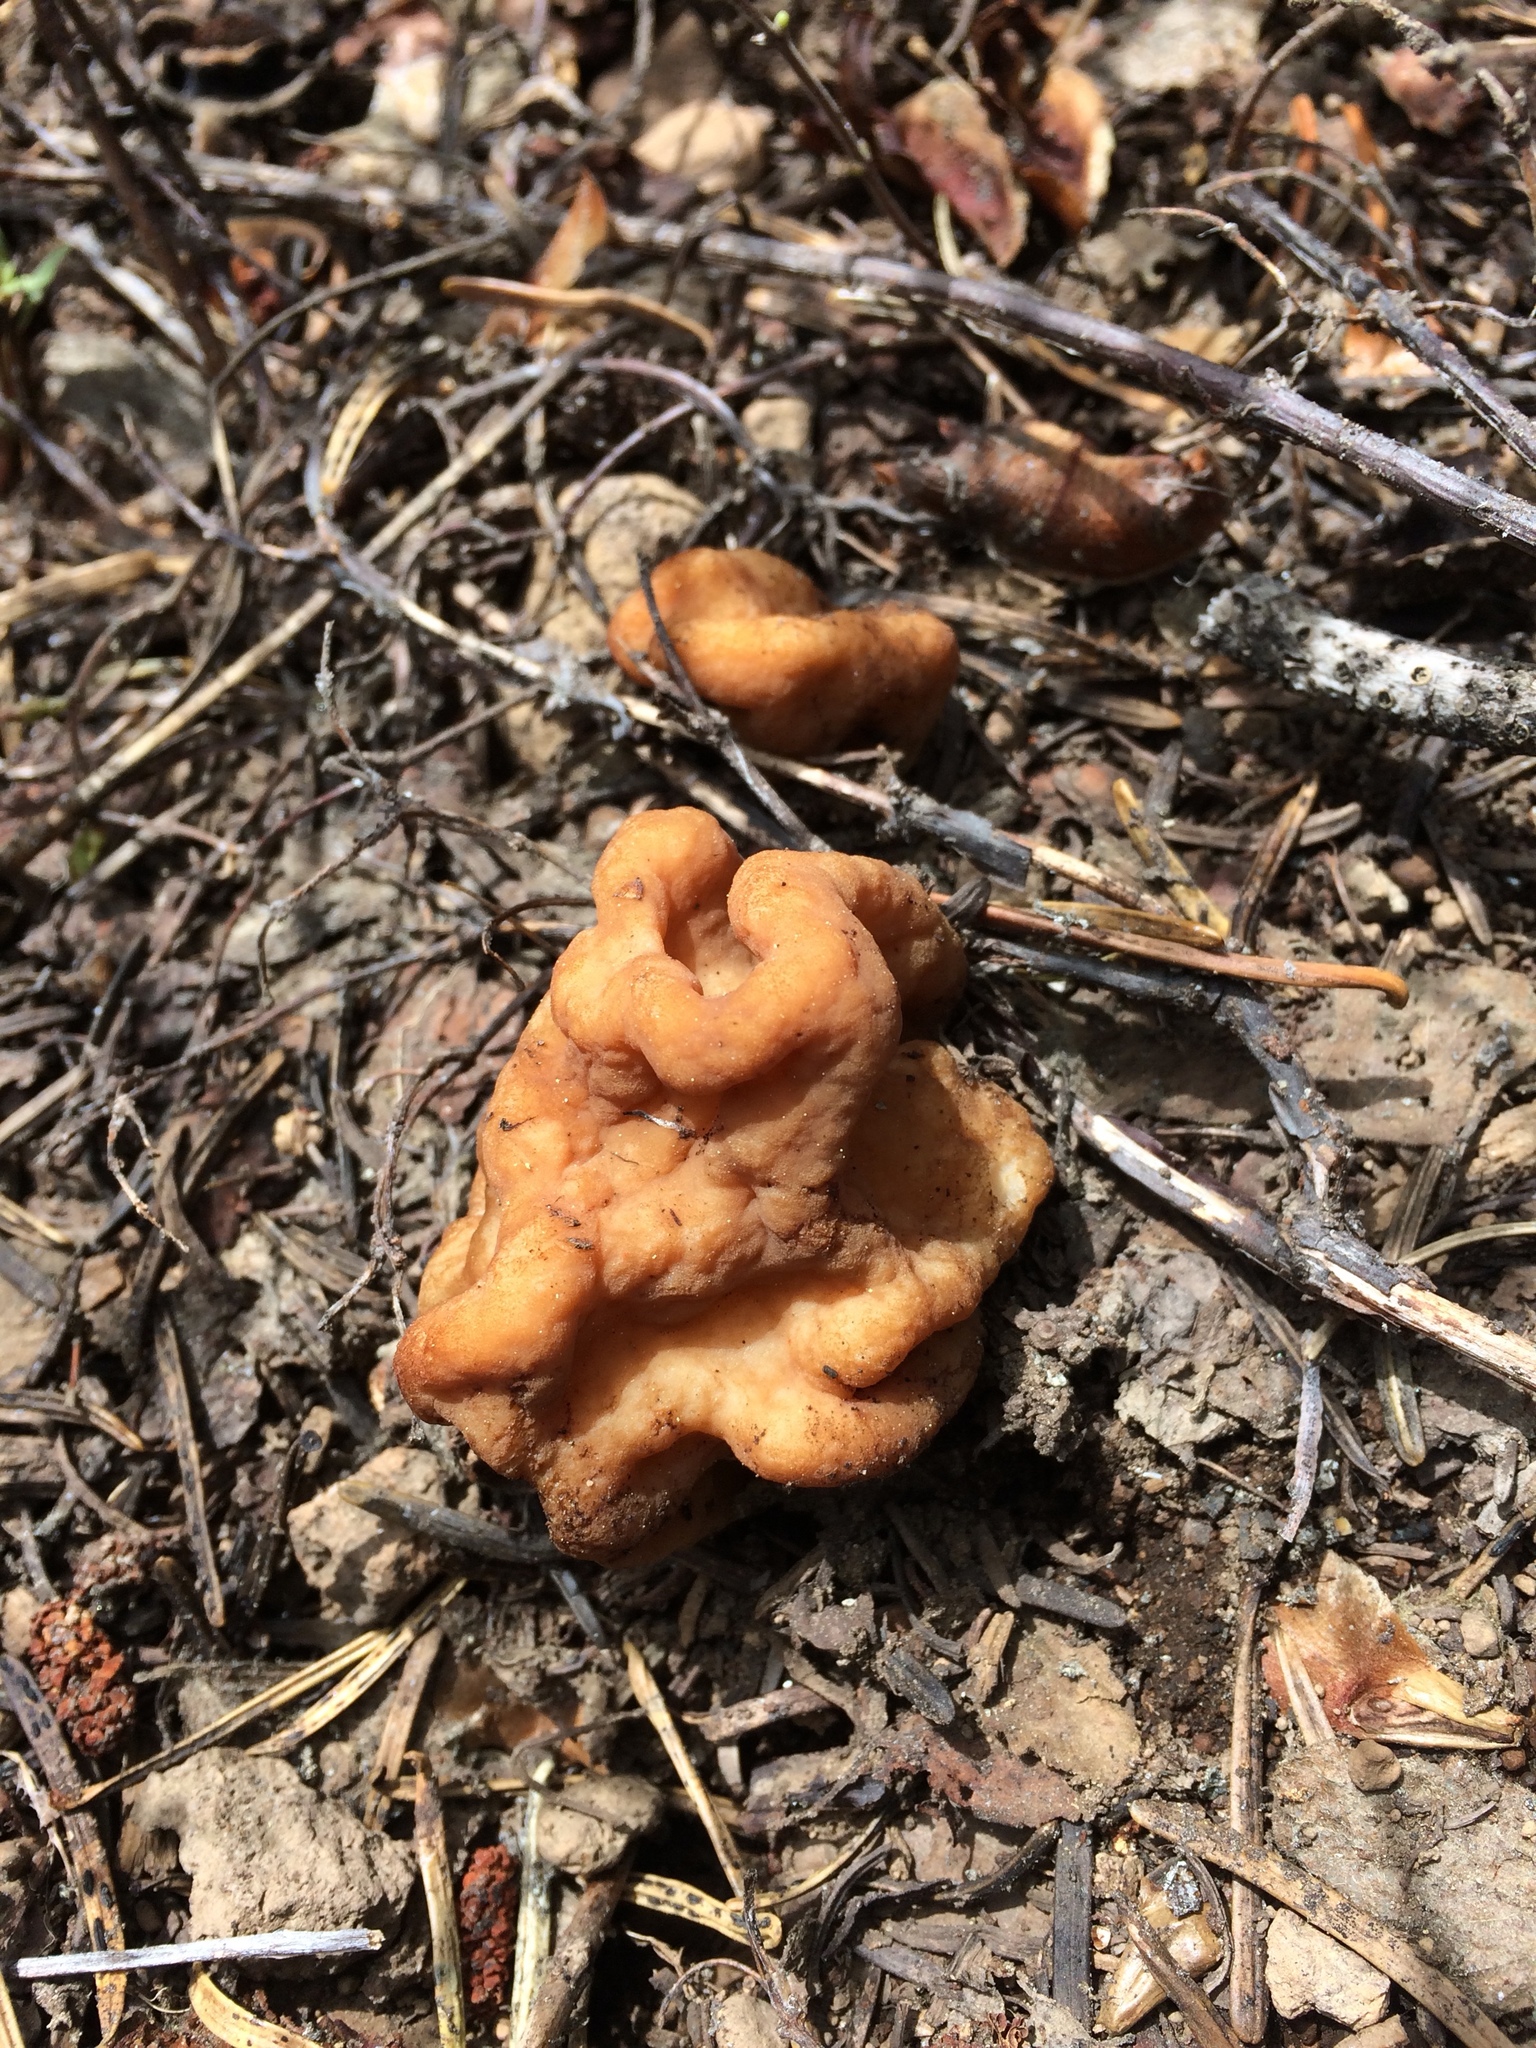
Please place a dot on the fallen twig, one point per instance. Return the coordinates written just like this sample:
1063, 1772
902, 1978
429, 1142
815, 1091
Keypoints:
80, 1834
1252, 403
570, 1963
274, 1947
1320, 1260
1327, 1909
1277, 633
1238, 966
437, 1883
1247, 1997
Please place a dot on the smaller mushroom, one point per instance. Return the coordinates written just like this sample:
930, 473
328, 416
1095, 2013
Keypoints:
1048, 500
758, 639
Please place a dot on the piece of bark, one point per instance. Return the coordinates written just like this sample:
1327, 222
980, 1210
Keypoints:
1279, 634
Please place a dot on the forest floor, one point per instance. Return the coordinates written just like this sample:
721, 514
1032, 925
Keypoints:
1176, 353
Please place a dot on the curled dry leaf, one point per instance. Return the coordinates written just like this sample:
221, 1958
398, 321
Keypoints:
1066, 165
714, 144
1051, 502
1371, 1675
1173, 1906
945, 131
1435, 100
583, 229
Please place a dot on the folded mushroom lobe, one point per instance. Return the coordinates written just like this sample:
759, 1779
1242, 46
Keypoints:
758, 640
725, 1207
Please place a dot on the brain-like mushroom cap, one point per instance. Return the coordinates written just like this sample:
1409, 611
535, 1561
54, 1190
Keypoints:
756, 638
721, 1207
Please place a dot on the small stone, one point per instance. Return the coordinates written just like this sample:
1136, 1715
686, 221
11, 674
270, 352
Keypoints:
1414, 873
264, 1851
1388, 2033
362, 1566
1447, 917
1512, 1759
1373, 1767
1372, 890
587, 1826
745, 2021
1311, 1972
778, 423
1480, 1634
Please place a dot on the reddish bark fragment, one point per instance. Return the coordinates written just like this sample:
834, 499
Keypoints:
80, 1676
488, 1924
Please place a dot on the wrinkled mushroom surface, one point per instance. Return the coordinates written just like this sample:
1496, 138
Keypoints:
725, 1206
757, 639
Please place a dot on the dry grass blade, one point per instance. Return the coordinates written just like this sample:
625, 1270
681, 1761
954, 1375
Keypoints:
77, 1489
231, 2023
395, 1735
84, 1844
1328, 1910
11, 2035
650, 1697
42, 1407
367, 399
90, 579
282, 1694
437, 1883
1163, 864
493, 291
173, 1391
714, 1916
1275, 849
534, 1912
1147, 924
363, 1676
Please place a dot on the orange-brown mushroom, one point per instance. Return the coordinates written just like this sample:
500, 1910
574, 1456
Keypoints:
1045, 498
757, 639
726, 1207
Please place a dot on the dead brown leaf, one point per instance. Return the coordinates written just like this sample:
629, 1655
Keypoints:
1435, 100
1370, 1672
944, 129
1051, 502
1071, 144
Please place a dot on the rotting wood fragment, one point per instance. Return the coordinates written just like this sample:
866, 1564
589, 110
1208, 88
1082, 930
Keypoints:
1276, 632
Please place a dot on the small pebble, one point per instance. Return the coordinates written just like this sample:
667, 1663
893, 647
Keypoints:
1512, 1759
1373, 1767
1479, 1635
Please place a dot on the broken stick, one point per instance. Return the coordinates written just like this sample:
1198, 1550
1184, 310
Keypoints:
1277, 633
1327, 1909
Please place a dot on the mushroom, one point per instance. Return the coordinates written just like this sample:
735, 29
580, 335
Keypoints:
1048, 500
757, 639
729, 1206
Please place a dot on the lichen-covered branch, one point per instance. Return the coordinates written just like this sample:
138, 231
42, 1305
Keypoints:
1275, 632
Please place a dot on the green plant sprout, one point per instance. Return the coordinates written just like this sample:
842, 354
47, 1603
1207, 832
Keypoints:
23, 290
